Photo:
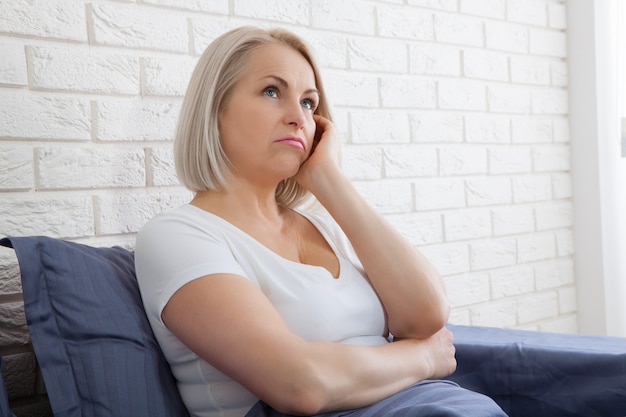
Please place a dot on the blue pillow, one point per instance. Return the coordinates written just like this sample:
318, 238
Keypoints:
96, 350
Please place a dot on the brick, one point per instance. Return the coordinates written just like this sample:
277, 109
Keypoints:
132, 26
167, 77
162, 167
462, 95
548, 43
537, 307
529, 12
467, 289
409, 93
405, 22
136, 119
568, 302
513, 220
562, 185
530, 70
487, 128
362, 162
537, 247
13, 330
28, 116
565, 325
508, 99
495, 9
410, 161
379, 127
485, 65
349, 16
419, 229
434, 60
60, 19
510, 160
448, 259
330, 50
559, 74
20, 374
460, 317
436, 127
487, 191
561, 129
387, 197
551, 158
555, 273
439, 193
462, 160
550, 102
209, 6
388, 56
506, 37
564, 242
295, 11
458, 29
69, 216
554, 215
100, 167
467, 224
206, 30
10, 282
13, 65
85, 70
557, 16
532, 130
501, 314
449, 5
512, 281
16, 168
492, 254
531, 188
351, 90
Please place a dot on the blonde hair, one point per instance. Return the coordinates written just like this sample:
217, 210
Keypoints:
201, 163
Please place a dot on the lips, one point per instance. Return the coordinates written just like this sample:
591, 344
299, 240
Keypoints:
294, 141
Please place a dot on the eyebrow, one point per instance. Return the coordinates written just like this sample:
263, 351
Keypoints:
285, 84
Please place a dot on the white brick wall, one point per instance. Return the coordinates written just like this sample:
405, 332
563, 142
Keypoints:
453, 114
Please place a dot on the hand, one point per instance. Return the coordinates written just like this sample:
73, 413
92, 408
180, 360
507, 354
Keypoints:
441, 349
325, 153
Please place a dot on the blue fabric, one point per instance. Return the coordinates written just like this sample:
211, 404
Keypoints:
92, 339
543, 374
425, 399
4, 398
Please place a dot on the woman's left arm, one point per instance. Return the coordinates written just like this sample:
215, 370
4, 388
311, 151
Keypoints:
410, 288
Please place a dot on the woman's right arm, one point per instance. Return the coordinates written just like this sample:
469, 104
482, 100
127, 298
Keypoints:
230, 323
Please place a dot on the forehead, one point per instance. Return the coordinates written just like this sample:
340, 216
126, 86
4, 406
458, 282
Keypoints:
278, 59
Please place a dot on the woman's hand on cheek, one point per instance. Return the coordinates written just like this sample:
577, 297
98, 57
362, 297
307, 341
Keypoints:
325, 155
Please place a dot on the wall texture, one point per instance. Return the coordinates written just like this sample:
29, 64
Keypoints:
453, 112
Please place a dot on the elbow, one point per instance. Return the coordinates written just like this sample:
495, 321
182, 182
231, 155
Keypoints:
423, 324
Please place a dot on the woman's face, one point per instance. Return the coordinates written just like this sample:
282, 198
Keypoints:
267, 126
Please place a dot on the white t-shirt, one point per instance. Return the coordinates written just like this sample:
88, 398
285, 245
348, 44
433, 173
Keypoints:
187, 243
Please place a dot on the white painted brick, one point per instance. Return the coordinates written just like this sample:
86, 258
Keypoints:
532, 188
531, 12
486, 191
512, 281
344, 16
429, 59
449, 5
530, 70
564, 242
162, 166
16, 167
419, 229
10, 282
330, 50
362, 162
210, 6
548, 42
462, 160
139, 27
206, 30
87, 70
460, 317
493, 253
379, 127
378, 55
510, 160
537, 247
51, 117
436, 127
559, 74
568, 302
513, 220
564, 324
506, 37
294, 11
448, 259
556, 273
100, 167
458, 29
551, 158
60, 19
505, 98
13, 330
532, 130
167, 77
467, 289
554, 215
410, 161
439, 193
486, 65
501, 314
550, 101
537, 307
561, 129
57, 216
129, 212
557, 16
562, 185
408, 93
351, 90
405, 22
387, 198
488, 8
462, 95
136, 119
467, 224
13, 64
487, 128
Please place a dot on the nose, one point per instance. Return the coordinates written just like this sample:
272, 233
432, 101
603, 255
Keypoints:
294, 114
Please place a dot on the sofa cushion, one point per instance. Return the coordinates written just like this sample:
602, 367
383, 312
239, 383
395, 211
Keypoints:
97, 353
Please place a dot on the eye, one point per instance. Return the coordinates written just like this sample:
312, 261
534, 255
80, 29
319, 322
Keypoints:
271, 92
308, 104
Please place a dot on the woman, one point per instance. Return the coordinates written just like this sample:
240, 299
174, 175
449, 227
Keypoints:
251, 297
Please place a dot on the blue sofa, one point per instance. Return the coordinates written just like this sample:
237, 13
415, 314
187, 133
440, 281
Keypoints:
98, 356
